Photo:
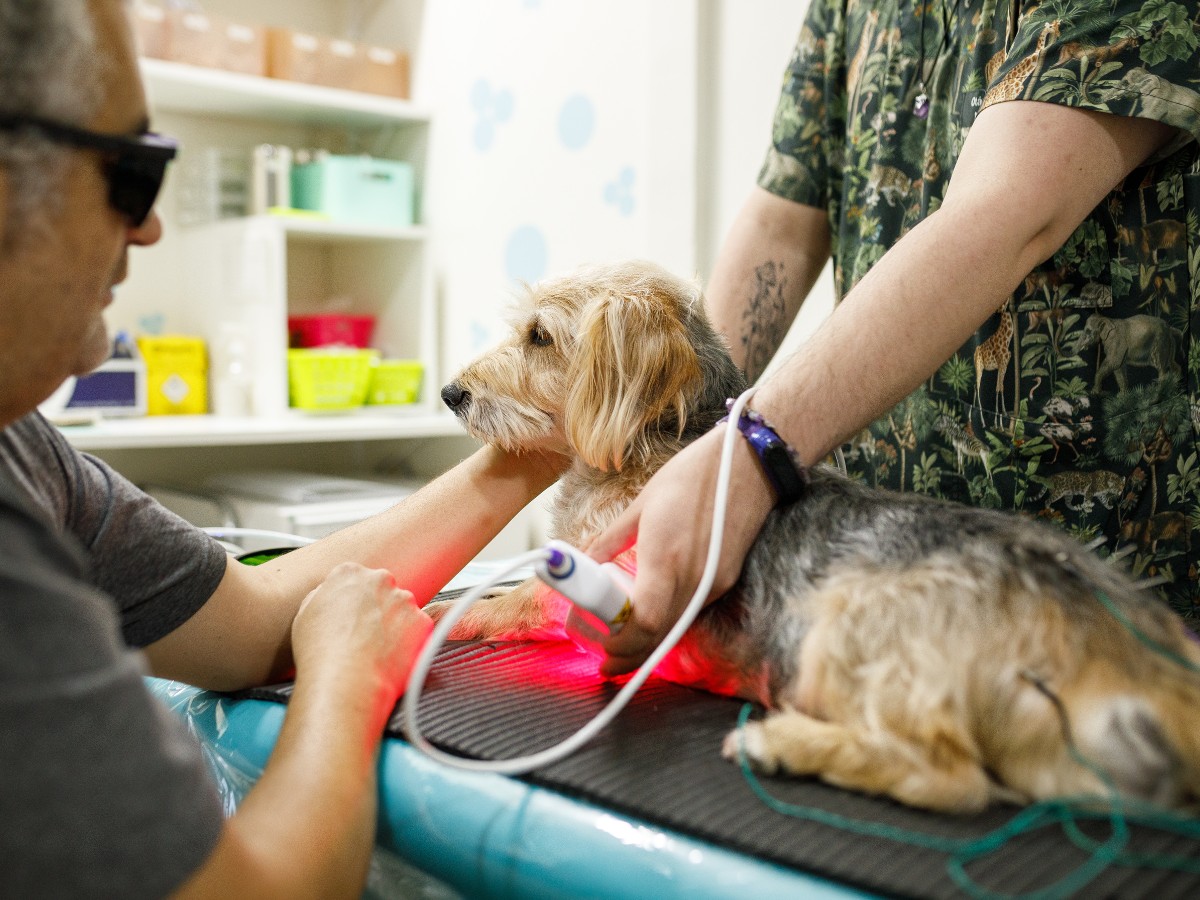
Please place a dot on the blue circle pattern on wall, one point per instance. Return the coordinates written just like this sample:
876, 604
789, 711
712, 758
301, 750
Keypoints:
620, 192
493, 107
576, 122
481, 336
525, 255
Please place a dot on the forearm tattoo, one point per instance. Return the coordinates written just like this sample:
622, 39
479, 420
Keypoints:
764, 322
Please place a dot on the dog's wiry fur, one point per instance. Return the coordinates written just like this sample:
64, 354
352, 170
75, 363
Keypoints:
906, 646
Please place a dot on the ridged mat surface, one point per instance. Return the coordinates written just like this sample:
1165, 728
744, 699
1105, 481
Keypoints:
660, 761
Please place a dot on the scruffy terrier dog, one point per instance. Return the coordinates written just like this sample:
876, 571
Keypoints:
943, 655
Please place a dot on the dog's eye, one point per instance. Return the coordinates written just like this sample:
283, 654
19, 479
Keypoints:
539, 337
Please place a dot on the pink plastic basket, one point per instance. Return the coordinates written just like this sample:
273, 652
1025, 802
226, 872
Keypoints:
330, 330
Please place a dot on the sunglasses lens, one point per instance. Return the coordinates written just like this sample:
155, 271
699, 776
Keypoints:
134, 185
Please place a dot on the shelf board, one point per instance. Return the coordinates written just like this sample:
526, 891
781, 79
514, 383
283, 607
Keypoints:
317, 230
177, 87
293, 428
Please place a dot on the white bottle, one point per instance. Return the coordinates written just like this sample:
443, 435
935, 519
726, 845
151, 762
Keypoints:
231, 375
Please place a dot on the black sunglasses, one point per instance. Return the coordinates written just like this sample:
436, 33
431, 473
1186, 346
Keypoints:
135, 167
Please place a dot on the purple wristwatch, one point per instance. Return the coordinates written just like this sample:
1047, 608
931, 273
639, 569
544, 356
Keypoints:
779, 461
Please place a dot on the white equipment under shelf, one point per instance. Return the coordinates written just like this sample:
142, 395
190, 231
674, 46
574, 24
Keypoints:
306, 505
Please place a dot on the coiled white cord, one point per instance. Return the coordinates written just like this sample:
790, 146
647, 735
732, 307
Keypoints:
522, 764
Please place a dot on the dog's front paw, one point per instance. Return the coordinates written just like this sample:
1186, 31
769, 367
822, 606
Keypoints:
527, 612
465, 629
751, 740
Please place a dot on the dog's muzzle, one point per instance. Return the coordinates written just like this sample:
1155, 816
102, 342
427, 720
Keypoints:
455, 397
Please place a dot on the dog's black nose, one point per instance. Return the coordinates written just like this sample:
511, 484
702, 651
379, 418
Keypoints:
454, 396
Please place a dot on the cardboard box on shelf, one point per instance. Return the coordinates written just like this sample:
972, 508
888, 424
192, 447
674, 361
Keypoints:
337, 63
201, 39
384, 71
296, 56
150, 29
343, 62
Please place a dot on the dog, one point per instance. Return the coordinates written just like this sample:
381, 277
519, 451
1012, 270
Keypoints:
942, 655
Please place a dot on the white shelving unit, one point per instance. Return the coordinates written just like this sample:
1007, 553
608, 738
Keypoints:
176, 87
256, 271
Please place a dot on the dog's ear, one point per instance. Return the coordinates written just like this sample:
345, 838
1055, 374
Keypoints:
630, 375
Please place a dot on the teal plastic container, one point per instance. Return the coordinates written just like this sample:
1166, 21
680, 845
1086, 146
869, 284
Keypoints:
361, 190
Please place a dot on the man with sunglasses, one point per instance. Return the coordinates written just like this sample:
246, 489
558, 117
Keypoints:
102, 793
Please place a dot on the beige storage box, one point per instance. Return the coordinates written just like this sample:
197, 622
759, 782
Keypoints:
200, 39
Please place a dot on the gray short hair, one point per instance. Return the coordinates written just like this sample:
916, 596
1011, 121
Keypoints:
47, 68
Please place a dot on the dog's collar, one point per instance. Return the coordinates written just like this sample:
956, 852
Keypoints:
779, 462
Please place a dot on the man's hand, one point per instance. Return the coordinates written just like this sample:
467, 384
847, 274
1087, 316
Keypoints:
671, 521
357, 619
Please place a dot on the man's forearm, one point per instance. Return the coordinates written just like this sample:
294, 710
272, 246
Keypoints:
774, 253
241, 636
1028, 175
431, 535
890, 333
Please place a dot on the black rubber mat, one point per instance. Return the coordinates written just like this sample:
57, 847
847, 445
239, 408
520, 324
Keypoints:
660, 761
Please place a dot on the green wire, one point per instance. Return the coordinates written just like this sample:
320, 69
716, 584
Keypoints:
1145, 638
1063, 812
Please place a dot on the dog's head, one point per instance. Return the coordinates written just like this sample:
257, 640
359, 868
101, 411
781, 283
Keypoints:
607, 364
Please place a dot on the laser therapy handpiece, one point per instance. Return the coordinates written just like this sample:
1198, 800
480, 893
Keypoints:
601, 589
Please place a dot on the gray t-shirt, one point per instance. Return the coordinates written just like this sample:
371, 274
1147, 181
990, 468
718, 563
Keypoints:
102, 791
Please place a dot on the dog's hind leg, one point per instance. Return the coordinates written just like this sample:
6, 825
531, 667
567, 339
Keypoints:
883, 699
850, 757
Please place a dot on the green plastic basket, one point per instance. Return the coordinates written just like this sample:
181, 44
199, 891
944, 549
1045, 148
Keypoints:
395, 382
329, 378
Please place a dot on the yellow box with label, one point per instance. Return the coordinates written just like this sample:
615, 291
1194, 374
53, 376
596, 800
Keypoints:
176, 374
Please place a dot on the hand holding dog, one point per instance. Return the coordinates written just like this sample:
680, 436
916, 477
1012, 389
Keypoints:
671, 522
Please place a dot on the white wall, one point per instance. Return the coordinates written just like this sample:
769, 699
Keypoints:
573, 131
564, 132
546, 148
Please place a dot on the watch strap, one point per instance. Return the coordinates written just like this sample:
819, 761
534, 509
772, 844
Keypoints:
779, 462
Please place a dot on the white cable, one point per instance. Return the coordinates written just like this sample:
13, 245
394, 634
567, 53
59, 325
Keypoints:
841, 461
222, 531
522, 764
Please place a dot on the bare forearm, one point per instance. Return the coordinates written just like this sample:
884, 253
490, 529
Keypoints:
241, 637
891, 333
306, 828
1028, 175
431, 535
773, 254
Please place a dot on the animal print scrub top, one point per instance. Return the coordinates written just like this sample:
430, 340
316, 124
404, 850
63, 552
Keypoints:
1079, 400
